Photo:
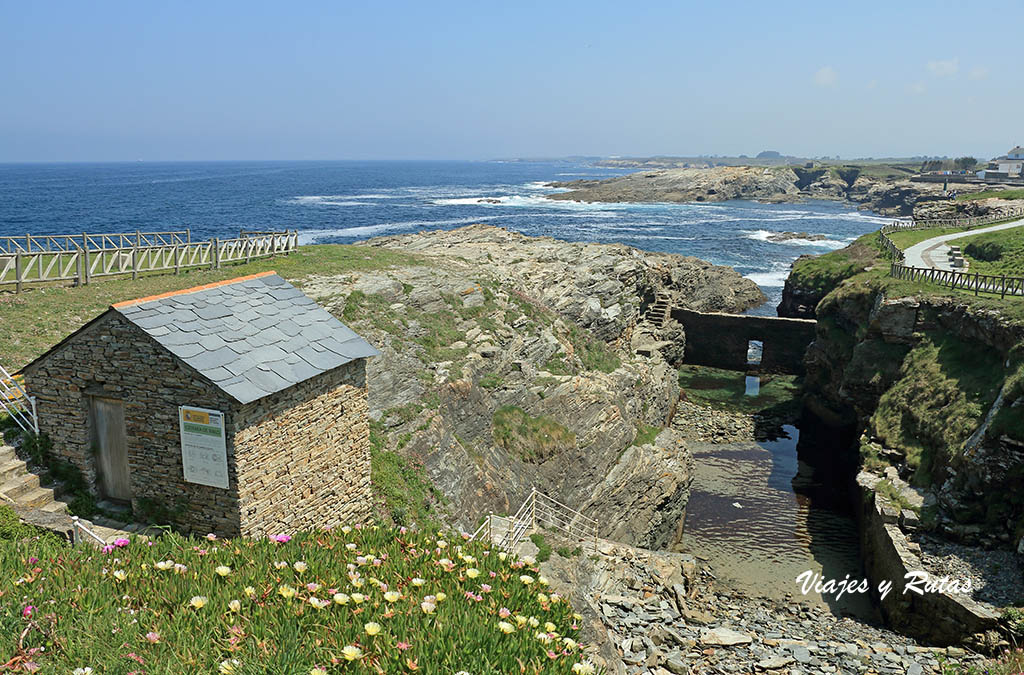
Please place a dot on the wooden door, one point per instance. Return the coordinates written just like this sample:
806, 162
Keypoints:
111, 446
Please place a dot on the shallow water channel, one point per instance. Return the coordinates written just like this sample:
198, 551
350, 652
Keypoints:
758, 533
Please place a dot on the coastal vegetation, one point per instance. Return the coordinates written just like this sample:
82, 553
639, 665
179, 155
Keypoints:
357, 599
996, 253
32, 321
991, 194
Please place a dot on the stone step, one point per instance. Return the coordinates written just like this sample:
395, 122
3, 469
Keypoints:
20, 485
12, 469
6, 453
56, 506
37, 498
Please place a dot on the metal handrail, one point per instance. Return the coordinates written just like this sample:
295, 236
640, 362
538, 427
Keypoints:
538, 506
76, 526
12, 396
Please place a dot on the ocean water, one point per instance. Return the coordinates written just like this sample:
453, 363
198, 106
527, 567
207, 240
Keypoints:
344, 202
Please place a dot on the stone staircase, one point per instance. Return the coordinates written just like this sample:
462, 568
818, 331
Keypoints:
645, 335
24, 488
27, 491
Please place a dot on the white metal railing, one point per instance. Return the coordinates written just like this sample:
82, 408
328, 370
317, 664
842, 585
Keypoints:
78, 529
538, 510
80, 258
16, 402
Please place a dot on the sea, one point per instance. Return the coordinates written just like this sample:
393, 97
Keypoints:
349, 201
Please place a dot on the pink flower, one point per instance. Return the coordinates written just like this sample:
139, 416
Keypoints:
485, 588
33, 561
121, 543
282, 538
153, 637
211, 536
504, 613
403, 645
402, 530
108, 548
27, 612
493, 574
134, 657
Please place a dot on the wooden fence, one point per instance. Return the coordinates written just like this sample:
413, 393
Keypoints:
79, 258
979, 283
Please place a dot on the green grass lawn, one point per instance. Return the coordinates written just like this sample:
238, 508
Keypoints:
988, 194
41, 316
353, 600
1004, 251
908, 238
725, 389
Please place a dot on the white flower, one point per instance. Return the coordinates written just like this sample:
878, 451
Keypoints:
428, 607
300, 567
583, 668
82, 671
418, 582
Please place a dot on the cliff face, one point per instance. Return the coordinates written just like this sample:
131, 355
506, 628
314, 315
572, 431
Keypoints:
507, 366
770, 184
931, 387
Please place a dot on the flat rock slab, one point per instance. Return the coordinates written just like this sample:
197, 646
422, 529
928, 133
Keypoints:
724, 637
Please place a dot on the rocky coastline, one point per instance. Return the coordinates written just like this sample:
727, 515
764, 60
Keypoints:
894, 197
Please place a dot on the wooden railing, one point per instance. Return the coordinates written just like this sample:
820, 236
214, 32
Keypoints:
81, 258
978, 283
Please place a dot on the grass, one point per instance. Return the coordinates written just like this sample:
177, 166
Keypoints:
12, 529
353, 600
943, 391
401, 484
33, 321
532, 438
822, 273
908, 238
996, 253
645, 435
1010, 663
543, 547
726, 389
893, 494
988, 194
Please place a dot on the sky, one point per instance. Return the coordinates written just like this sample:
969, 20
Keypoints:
337, 79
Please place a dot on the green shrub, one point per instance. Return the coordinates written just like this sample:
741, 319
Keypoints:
987, 251
532, 438
543, 547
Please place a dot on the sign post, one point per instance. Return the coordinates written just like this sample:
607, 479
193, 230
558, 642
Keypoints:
204, 455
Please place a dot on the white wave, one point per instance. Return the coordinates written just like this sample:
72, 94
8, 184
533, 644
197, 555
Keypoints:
774, 278
313, 236
765, 235
527, 201
329, 200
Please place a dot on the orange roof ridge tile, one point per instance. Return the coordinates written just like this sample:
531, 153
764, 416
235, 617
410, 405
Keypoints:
194, 289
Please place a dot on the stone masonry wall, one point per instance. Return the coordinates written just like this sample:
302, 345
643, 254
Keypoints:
304, 455
721, 340
114, 359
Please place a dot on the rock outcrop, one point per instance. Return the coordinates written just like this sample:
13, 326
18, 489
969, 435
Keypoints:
769, 184
508, 365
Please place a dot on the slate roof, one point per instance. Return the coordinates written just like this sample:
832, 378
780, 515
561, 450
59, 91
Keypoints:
252, 336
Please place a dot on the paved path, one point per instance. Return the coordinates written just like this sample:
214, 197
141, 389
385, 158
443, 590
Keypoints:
934, 253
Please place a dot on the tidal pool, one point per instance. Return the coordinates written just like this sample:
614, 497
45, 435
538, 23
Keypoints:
758, 533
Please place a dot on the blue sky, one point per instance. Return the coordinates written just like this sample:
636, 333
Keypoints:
112, 80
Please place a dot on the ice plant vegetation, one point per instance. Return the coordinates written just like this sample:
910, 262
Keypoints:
353, 600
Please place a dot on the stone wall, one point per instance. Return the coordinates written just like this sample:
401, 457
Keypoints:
721, 340
934, 618
304, 455
114, 359
296, 459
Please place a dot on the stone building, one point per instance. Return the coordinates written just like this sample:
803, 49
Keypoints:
238, 408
